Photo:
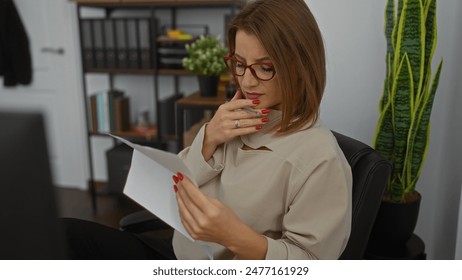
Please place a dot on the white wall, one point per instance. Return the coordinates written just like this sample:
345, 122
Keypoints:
353, 33
355, 50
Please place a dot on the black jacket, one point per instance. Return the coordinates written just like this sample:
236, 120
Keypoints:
15, 57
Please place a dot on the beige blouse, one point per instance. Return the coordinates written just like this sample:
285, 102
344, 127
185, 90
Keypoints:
297, 193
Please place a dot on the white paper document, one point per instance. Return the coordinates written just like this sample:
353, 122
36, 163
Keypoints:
150, 182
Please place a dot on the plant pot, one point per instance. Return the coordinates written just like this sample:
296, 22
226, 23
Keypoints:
394, 225
208, 85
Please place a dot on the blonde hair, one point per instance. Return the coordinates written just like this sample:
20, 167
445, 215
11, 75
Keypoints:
291, 36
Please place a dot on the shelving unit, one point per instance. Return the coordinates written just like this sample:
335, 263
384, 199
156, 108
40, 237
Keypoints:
108, 7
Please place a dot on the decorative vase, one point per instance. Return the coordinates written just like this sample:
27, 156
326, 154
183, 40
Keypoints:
394, 225
208, 85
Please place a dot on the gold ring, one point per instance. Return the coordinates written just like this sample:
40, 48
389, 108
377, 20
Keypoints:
237, 124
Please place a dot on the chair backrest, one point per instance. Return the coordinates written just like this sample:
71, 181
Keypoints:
370, 177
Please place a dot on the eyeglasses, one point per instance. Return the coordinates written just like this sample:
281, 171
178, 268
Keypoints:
263, 71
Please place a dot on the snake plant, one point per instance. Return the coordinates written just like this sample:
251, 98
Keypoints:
402, 134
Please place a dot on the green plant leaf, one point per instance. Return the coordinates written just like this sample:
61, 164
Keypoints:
389, 25
205, 56
411, 40
397, 19
405, 107
402, 111
384, 138
422, 131
388, 83
430, 37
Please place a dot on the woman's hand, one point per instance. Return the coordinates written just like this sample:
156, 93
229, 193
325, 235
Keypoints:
231, 120
208, 219
204, 218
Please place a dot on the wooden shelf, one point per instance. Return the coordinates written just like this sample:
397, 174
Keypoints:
136, 134
196, 100
174, 72
148, 134
128, 71
166, 3
135, 71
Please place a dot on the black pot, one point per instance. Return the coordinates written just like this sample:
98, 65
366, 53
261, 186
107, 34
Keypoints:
208, 85
394, 225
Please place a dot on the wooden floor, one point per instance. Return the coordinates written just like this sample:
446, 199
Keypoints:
76, 203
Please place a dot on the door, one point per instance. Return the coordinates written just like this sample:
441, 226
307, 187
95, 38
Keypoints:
55, 90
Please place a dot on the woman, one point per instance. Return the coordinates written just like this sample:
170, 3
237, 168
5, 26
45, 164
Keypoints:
273, 183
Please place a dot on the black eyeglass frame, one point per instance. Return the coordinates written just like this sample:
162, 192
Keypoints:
230, 57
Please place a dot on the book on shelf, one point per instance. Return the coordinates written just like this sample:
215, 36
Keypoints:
122, 113
112, 95
101, 112
93, 113
99, 49
133, 40
109, 111
121, 43
144, 29
109, 43
87, 44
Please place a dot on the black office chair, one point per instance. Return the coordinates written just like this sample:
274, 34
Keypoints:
370, 177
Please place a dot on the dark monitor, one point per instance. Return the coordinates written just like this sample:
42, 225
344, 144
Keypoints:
28, 210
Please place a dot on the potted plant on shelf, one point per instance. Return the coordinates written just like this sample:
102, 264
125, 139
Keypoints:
205, 58
402, 134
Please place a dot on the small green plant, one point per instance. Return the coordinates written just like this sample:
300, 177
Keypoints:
205, 56
403, 129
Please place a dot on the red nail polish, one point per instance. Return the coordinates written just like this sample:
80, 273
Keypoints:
175, 188
175, 179
258, 127
256, 101
265, 111
265, 120
180, 176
